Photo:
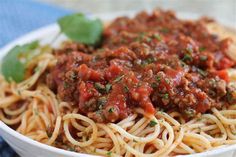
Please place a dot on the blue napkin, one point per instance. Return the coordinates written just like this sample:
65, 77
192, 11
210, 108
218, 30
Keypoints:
17, 17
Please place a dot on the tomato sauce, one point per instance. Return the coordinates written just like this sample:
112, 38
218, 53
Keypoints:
152, 61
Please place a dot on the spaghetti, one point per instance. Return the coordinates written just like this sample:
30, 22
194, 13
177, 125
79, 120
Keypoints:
35, 110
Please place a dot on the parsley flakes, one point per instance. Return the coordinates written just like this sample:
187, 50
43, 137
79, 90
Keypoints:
152, 123
119, 78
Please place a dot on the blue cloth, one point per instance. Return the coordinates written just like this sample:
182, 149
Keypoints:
17, 17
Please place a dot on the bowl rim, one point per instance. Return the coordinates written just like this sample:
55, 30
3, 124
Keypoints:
53, 28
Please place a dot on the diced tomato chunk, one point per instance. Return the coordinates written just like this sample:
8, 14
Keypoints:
225, 63
86, 73
112, 72
223, 74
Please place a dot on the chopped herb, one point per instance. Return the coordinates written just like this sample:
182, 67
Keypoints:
126, 89
202, 72
165, 30
203, 58
73, 76
189, 112
183, 64
119, 78
229, 96
66, 84
139, 84
187, 57
148, 39
100, 87
101, 102
150, 60
109, 153
158, 78
167, 80
189, 49
108, 87
202, 49
157, 36
154, 85
111, 110
165, 96
152, 123
103, 89
140, 36
71, 149
212, 93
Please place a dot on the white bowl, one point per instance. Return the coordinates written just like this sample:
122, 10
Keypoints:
27, 147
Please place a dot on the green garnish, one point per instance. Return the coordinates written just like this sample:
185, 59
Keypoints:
165, 30
101, 102
100, 87
71, 149
189, 50
189, 112
66, 84
203, 58
140, 36
73, 76
14, 63
187, 57
202, 72
152, 123
109, 153
157, 36
103, 89
108, 87
119, 78
150, 60
167, 80
154, 85
202, 49
158, 78
165, 96
126, 89
111, 110
81, 29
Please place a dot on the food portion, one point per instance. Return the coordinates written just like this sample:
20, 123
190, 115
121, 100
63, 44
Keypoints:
150, 61
153, 84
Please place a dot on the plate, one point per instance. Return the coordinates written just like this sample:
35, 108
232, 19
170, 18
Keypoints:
27, 147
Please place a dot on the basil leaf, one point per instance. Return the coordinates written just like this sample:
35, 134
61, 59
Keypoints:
14, 63
81, 29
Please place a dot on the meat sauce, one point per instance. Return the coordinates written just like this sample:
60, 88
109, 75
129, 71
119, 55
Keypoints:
152, 61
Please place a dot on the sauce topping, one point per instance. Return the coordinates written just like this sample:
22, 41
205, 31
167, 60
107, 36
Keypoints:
153, 61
